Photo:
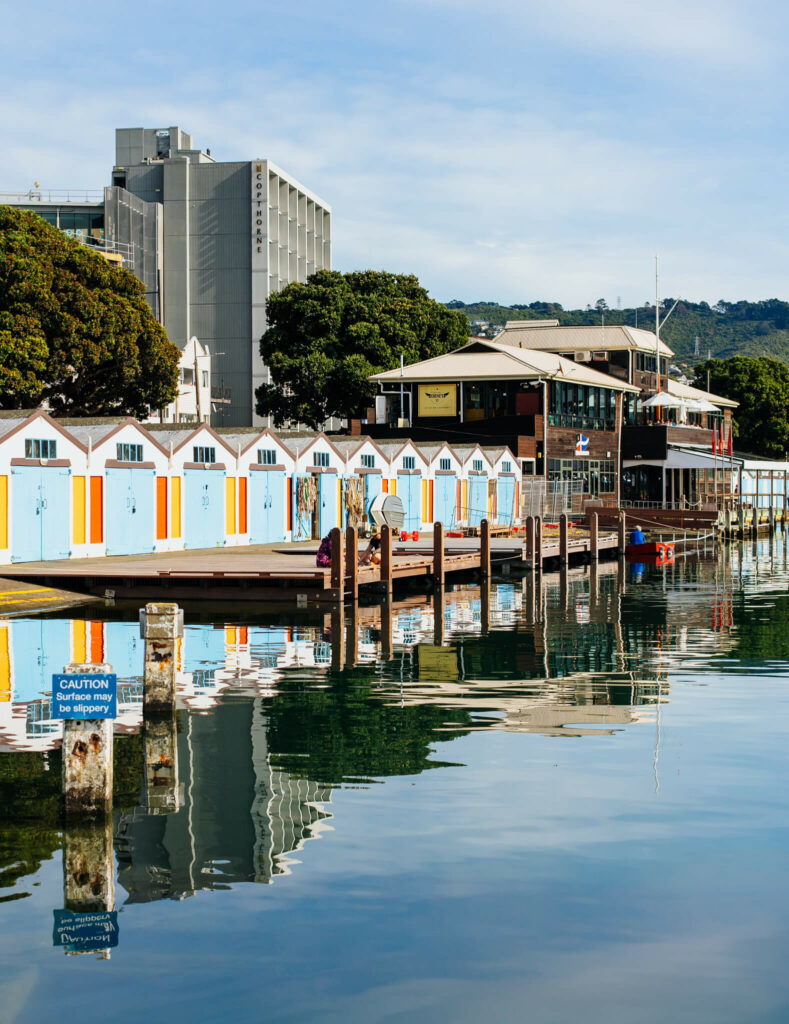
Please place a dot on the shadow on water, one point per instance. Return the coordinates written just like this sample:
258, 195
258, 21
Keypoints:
277, 712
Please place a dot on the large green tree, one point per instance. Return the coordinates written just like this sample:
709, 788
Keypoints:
327, 336
761, 386
74, 330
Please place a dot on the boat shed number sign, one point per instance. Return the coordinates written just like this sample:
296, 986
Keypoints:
84, 696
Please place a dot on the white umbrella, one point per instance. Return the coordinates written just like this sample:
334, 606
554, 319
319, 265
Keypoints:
665, 400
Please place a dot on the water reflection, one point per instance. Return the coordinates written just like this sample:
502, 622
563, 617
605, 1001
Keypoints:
273, 716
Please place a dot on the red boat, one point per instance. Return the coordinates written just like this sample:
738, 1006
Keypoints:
653, 551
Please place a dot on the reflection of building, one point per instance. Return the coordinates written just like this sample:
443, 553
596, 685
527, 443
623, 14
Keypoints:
239, 818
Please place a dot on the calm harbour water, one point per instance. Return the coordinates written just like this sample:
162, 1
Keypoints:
572, 805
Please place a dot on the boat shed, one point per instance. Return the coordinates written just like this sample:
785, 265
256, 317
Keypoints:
42, 490
128, 488
316, 488
503, 488
264, 467
477, 473
408, 479
203, 485
444, 473
365, 469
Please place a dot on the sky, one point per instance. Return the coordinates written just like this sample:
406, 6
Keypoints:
502, 151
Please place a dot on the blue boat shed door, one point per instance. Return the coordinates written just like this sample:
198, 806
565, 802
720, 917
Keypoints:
477, 499
204, 508
445, 492
328, 503
505, 500
41, 516
267, 506
131, 510
409, 491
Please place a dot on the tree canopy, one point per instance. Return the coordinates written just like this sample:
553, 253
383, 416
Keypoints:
761, 386
74, 330
326, 337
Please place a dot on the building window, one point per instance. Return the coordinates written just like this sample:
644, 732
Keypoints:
205, 378
506, 467
36, 448
322, 459
187, 375
445, 464
409, 462
129, 452
368, 462
267, 456
202, 454
581, 406
584, 476
476, 465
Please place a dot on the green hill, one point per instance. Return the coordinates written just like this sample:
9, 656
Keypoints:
725, 329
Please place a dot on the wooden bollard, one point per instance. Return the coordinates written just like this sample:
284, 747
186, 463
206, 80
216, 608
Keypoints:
484, 547
438, 554
530, 556
538, 543
564, 538
337, 570
621, 543
386, 560
162, 791
160, 627
594, 535
87, 757
352, 561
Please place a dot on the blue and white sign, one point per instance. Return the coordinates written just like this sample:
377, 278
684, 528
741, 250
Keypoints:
582, 445
84, 932
85, 696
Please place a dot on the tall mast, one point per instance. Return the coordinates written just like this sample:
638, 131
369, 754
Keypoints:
657, 326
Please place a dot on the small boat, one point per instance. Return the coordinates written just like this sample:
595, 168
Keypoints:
652, 551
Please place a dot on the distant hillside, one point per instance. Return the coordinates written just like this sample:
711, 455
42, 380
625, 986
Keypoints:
726, 329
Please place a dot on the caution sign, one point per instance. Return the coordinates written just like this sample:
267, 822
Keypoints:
85, 696
437, 400
83, 933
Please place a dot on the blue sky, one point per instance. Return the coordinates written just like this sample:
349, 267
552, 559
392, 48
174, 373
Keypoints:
505, 151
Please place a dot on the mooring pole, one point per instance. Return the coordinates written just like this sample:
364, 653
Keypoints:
484, 548
162, 790
352, 561
161, 625
337, 564
564, 538
87, 751
622, 538
538, 543
386, 560
438, 555
530, 541
594, 534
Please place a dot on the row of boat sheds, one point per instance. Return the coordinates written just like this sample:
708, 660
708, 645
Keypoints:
80, 488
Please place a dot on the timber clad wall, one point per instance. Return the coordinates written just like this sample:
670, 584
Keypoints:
562, 442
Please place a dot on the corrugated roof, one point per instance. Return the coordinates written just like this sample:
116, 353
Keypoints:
491, 360
579, 339
686, 391
7, 425
93, 432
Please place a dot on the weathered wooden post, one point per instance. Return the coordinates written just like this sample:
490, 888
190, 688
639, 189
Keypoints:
162, 792
594, 585
352, 636
337, 570
160, 627
438, 555
386, 560
338, 636
386, 629
352, 561
484, 548
621, 543
530, 554
594, 537
438, 617
529, 585
84, 696
564, 538
485, 605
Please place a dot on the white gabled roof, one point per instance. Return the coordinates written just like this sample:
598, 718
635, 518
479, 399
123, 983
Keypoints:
491, 360
547, 335
686, 391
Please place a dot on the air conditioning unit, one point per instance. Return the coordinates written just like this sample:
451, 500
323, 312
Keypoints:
583, 357
600, 355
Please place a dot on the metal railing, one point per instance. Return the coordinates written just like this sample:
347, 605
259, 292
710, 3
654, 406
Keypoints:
54, 196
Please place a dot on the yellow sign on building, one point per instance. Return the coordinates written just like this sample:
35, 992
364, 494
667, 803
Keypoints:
438, 400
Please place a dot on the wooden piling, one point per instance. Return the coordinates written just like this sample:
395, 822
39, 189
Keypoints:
337, 564
622, 534
337, 636
538, 543
594, 537
352, 561
386, 629
87, 758
89, 868
160, 627
484, 610
386, 560
530, 555
162, 791
564, 538
352, 636
438, 617
741, 521
484, 548
438, 554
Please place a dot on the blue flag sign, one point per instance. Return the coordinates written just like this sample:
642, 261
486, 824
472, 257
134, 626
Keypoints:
85, 932
84, 696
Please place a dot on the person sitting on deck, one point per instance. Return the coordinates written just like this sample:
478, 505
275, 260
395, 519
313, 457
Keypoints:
323, 557
637, 537
371, 555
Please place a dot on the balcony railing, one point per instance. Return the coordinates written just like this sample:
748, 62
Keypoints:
580, 422
55, 196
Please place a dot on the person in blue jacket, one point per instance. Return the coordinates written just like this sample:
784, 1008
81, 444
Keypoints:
637, 537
